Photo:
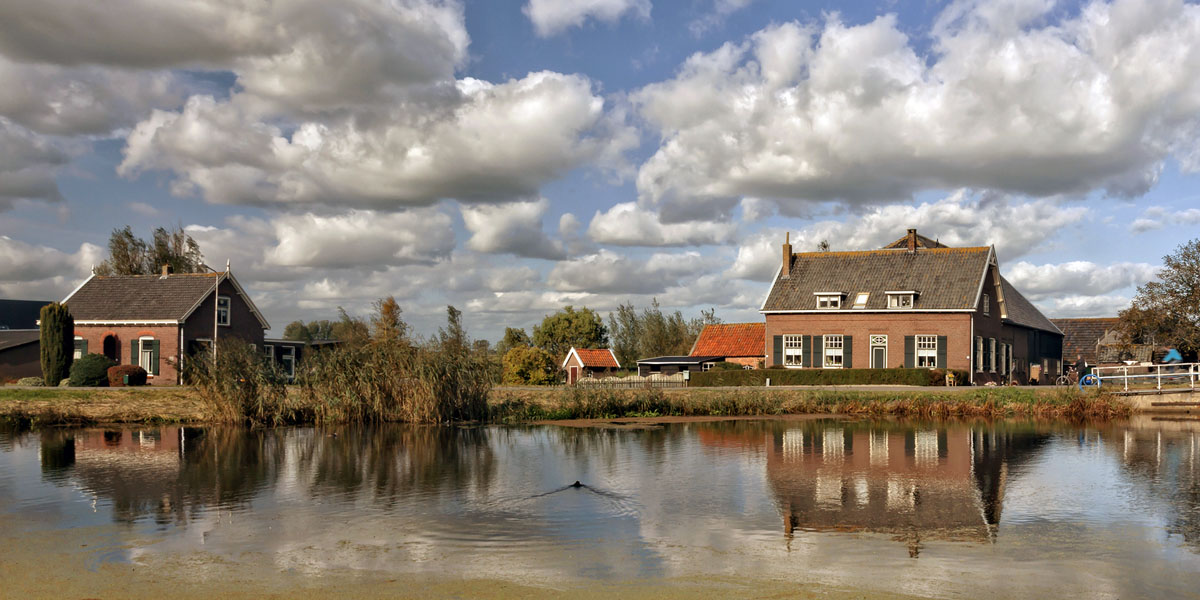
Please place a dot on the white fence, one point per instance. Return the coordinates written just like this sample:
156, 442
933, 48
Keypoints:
634, 382
1171, 374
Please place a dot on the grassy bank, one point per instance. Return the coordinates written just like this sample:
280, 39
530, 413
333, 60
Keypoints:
522, 405
517, 405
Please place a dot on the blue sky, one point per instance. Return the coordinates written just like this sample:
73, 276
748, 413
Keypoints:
513, 157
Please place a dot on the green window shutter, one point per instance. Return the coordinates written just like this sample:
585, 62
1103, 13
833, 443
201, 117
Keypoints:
847, 352
910, 352
941, 352
133, 352
83, 351
806, 353
153, 357
778, 346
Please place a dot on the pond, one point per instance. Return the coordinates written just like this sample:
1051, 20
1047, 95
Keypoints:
734, 507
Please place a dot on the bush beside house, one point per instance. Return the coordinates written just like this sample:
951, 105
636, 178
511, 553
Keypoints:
117, 374
91, 370
717, 378
529, 365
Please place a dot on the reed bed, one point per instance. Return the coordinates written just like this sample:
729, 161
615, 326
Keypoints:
512, 406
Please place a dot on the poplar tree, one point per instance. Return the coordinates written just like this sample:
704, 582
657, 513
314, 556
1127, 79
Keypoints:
57, 341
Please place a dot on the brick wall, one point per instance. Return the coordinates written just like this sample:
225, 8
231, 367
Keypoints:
168, 348
861, 326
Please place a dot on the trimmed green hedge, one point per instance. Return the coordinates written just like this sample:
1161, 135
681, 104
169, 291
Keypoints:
758, 377
91, 371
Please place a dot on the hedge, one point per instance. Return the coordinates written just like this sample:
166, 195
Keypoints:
91, 370
758, 377
116, 375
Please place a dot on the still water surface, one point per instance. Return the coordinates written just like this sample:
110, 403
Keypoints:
1004, 509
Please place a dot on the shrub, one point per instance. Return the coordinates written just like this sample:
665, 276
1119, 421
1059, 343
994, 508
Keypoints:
116, 375
37, 381
822, 377
726, 366
66, 381
91, 370
529, 365
57, 339
240, 384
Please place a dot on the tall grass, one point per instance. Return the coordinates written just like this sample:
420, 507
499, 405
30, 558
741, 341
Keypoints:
578, 403
239, 385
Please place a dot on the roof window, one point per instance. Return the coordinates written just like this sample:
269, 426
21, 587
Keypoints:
860, 301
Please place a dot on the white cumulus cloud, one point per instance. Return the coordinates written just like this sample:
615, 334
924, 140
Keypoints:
626, 224
551, 17
513, 228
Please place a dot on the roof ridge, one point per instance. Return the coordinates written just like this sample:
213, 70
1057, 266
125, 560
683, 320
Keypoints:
889, 251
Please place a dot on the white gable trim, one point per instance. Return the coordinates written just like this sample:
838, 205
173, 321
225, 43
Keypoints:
991, 260
772, 288
610, 353
77, 288
568, 358
237, 286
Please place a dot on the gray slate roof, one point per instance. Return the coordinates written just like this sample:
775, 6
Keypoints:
131, 297
11, 338
1023, 312
944, 278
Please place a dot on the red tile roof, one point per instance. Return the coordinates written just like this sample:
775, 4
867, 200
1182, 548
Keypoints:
732, 339
602, 357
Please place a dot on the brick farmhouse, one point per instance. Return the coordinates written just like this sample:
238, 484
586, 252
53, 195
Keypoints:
154, 320
915, 303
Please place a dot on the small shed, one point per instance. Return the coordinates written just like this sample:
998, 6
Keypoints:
587, 362
20, 354
670, 365
741, 343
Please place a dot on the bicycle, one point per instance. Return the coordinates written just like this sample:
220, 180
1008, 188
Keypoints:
1067, 378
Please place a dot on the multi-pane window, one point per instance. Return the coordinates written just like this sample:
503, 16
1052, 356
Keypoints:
987, 304
222, 310
992, 355
833, 351
288, 360
829, 301
979, 353
793, 348
79, 346
927, 351
900, 300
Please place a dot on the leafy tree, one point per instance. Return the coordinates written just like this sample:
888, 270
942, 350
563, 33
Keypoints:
386, 325
57, 340
625, 327
823, 246
453, 339
527, 365
568, 327
297, 330
1167, 310
130, 255
513, 337
349, 329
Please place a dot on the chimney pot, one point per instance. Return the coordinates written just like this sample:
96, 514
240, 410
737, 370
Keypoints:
787, 255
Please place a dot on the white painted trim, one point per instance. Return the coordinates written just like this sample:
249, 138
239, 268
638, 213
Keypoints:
772, 288
229, 276
830, 293
991, 259
900, 292
228, 311
77, 288
568, 358
128, 322
614, 356
826, 311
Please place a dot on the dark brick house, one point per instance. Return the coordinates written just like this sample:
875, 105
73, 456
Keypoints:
915, 303
154, 320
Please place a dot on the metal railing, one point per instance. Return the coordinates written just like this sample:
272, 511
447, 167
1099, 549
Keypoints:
1175, 373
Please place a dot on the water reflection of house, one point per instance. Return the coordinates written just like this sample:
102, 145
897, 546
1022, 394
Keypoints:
1163, 455
915, 485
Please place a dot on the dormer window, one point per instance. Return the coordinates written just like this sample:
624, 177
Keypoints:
829, 300
901, 300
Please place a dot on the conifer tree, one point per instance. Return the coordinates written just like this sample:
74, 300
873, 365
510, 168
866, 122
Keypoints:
57, 341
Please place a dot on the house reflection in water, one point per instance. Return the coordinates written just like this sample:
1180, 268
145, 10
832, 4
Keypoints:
912, 483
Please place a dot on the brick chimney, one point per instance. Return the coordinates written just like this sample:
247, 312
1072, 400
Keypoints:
166, 270
912, 240
787, 255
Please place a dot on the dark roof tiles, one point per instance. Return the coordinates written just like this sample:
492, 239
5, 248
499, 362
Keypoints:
139, 297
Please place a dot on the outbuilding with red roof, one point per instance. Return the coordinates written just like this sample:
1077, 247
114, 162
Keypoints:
590, 362
741, 343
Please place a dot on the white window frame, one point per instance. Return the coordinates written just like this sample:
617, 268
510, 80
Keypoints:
793, 351
987, 305
978, 366
145, 355
269, 350
288, 360
227, 311
926, 350
901, 301
706, 366
829, 301
991, 355
76, 351
832, 354
860, 300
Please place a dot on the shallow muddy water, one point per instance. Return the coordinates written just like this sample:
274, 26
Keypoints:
1005, 509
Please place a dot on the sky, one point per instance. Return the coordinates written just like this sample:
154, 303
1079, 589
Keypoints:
513, 157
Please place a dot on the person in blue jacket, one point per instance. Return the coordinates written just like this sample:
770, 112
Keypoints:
1172, 356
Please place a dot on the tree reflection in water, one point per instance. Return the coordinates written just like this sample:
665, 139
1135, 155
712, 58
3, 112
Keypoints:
392, 460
